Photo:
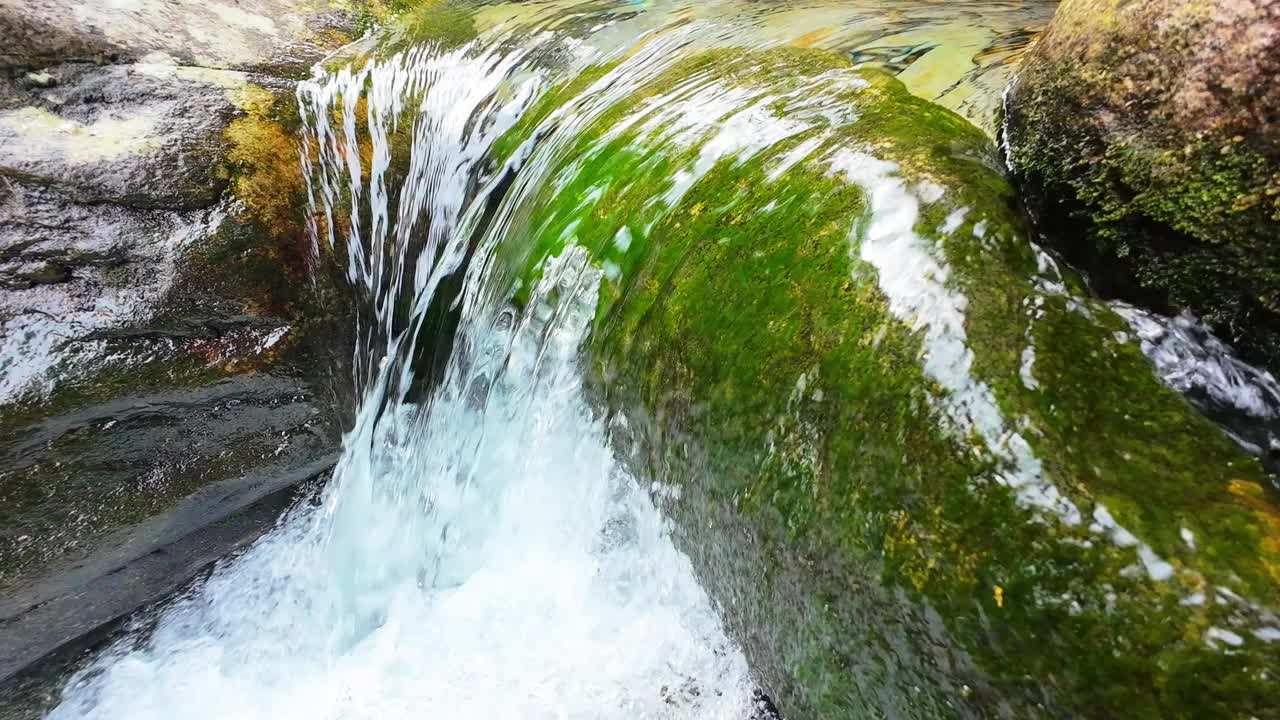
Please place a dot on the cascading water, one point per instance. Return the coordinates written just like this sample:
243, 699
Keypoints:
553, 216
479, 552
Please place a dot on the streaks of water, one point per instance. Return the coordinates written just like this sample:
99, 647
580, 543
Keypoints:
479, 553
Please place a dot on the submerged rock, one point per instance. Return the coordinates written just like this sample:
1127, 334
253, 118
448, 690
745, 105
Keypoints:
921, 471
1145, 136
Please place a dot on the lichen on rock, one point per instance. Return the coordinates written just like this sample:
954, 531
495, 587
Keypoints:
265, 176
1144, 136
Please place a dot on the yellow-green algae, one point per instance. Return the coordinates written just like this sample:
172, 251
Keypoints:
264, 257
861, 545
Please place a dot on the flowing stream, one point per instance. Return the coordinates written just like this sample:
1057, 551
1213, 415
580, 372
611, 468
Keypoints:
480, 552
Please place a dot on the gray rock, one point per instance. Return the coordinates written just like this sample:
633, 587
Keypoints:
147, 395
71, 482
236, 34
140, 135
116, 265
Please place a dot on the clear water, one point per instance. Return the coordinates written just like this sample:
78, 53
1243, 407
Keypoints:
480, 552
487, 560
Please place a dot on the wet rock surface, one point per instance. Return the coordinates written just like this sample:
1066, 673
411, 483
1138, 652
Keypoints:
72, 479
138, 135
159, 371
150, 579
71, 270
1145, 137
923, 472
238, 34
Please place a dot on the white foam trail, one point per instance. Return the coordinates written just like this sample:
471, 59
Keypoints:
917, 284
1189, 358
478, 556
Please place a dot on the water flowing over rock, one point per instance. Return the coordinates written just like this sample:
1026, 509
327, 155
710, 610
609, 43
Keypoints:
705, 369
887, 422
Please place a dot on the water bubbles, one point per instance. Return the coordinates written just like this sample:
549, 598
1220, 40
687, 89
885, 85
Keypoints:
480, 553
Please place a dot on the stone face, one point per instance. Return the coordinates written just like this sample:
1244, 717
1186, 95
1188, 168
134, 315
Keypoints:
163, 348
117, 266
920, 470
226, 34
1145, 135
143, 136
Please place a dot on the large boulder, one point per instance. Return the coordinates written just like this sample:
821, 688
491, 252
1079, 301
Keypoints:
277, 36
922, 472
167, 330
1146, 135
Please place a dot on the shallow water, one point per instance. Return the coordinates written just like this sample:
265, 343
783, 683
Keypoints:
481, 552
958, 54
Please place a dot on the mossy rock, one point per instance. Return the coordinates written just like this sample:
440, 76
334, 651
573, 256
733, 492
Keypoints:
402, 25
1145, 136
265, 258
922, 473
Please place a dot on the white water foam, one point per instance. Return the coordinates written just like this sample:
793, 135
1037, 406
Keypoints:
480, 555
917, 284
1189, 358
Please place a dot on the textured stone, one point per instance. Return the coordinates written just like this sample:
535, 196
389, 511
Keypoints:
144, 136
1146, 138
158, 370
235, 34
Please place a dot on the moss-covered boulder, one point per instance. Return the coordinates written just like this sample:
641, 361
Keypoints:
1145, 135
920, 471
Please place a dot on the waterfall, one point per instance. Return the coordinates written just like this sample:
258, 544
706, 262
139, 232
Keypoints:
479, 551
700, 351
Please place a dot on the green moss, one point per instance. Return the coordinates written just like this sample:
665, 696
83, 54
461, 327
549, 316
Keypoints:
447, 23
262, 258
551, 100
391, 26
1163, 187
866, 550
